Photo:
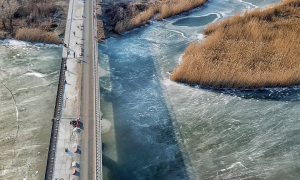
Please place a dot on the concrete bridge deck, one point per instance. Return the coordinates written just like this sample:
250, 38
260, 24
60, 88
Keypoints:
79, 97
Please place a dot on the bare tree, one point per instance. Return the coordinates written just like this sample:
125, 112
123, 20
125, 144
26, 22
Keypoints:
3, 13
8, 10
13, 6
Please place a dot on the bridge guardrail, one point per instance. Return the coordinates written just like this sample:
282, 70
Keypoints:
98, 143
55, 122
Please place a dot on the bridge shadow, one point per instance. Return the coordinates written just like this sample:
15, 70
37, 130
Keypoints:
145, 139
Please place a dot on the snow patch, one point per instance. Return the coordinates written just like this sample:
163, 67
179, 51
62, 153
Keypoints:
200, 36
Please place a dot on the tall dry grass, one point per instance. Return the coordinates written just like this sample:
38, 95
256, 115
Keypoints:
173, 7
261, 48
138, 20
164, 9
37, 35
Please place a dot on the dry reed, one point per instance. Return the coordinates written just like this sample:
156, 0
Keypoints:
173, 7
164, 9
259, 49
37, 35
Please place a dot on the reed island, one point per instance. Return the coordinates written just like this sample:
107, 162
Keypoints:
258, 49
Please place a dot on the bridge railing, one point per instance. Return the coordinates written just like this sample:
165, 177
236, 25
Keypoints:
55, 122
98, 142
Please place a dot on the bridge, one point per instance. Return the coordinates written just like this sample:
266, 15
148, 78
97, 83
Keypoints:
76, 152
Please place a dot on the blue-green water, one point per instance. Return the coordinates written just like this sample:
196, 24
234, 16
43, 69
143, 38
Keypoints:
165, 130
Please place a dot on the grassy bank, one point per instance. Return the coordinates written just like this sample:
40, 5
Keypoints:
123, 17
255, 50
48, 18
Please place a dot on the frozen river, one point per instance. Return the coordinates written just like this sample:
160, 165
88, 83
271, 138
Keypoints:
28, 85
164, 130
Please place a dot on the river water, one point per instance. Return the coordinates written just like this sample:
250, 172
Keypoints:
164, 130
28, 84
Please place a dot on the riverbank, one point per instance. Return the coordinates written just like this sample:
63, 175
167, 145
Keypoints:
34, 21
45, 22
255, 50
117, 17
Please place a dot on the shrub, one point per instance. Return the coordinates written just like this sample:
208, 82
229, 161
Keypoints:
37, 35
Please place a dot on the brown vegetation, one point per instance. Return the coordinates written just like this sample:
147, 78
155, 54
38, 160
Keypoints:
37, 35
126, 17
170, 8
259, 49
44, 15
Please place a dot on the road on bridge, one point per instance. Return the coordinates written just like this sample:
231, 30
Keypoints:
87, 164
